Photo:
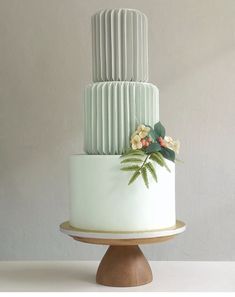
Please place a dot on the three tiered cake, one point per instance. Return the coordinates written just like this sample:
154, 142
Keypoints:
120, 109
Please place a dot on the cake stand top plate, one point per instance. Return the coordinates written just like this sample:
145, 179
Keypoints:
122, 238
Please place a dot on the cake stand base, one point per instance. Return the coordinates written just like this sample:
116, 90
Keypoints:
124, 264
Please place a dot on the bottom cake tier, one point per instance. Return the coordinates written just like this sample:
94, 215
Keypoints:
102, 200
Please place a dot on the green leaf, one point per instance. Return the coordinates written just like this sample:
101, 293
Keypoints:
151, 169
133, 153
152, 133
134, 177
153, 147
155, 157
145, 176
163, 161
159, 130
131, 168
132, 160
168, 153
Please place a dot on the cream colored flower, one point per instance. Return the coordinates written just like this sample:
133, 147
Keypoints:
143, 131
174, 145
136, 142
134, 134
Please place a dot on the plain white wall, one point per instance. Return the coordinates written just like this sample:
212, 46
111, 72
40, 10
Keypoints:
45, 63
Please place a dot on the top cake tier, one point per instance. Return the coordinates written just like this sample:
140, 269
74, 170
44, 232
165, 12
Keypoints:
119, 45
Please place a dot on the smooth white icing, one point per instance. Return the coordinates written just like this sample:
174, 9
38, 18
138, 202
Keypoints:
112, 112
119, 45
101, 199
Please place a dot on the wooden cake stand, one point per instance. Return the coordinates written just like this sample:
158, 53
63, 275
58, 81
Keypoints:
124, 264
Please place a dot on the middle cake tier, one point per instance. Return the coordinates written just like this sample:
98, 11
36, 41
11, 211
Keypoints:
113, 110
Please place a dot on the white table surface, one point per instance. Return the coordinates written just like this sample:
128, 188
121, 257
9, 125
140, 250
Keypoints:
79, 276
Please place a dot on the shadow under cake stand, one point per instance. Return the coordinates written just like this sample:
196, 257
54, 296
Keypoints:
124, 264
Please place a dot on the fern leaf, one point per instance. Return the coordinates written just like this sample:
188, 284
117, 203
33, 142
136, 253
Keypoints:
134, 177
131, 168
140, 152
133, 153
132, 160
157, 159
145, 176
167, 168
163, 160
151, 169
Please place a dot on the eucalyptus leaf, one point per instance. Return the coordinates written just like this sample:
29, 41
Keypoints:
153, 147
152, 133
168, 153
159, 130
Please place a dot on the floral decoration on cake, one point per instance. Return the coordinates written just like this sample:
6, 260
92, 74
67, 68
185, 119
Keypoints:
149, 145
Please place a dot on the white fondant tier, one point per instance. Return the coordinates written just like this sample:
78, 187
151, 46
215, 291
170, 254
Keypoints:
119, 45
101, 200
112, 112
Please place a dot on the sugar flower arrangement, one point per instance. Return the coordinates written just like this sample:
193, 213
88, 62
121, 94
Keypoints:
148, 145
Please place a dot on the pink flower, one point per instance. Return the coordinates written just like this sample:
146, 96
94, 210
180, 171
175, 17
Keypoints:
145, 142
161, 141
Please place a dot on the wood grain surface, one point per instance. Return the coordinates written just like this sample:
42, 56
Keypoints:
124, 266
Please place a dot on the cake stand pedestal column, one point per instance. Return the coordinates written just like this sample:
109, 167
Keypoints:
124, 264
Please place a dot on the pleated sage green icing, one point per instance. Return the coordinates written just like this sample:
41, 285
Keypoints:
112, 112
119, 45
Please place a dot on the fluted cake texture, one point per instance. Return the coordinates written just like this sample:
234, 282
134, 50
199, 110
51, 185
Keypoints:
120, 99
112, 112
119, 45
